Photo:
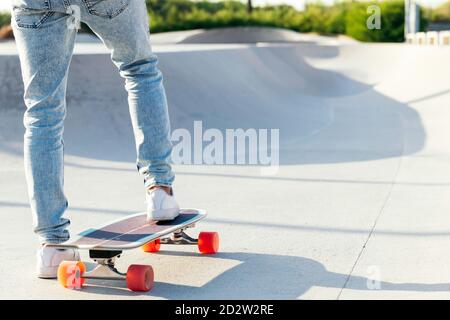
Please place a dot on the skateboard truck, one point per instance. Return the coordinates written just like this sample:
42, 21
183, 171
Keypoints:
105, 268
179, 237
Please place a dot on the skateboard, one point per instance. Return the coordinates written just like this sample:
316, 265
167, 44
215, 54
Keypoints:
106, 244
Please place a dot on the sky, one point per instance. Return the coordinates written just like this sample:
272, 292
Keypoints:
4, 4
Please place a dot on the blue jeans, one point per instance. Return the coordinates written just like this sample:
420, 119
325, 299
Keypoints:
45, 32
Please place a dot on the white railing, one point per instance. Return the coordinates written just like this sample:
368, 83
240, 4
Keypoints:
431, 38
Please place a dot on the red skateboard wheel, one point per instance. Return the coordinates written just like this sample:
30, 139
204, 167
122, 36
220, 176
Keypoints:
70, 274
140, 277
153, 246
208, 242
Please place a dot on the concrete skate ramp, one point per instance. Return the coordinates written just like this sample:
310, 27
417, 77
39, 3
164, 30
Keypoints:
246, 35
315, 94
363, 184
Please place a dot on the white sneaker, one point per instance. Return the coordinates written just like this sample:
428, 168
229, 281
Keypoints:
48, 260
161, 206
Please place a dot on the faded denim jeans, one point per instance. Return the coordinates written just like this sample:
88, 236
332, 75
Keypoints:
45, 34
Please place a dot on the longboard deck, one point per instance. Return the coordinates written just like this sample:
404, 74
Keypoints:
130, 232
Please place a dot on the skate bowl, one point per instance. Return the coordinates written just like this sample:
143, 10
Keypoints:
306, 89
245, 35
363, 178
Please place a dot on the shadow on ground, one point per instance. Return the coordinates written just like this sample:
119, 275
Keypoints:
259, 276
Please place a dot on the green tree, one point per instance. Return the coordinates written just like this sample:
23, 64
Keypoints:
392, 21
344, 17
5, 19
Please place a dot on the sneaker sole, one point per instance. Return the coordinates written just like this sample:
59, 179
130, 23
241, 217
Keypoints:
48, 273
52, 272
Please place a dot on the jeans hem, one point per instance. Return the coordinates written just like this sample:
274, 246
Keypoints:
44, 241
151, 184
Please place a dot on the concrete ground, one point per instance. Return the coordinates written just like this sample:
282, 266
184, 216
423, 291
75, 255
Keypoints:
359, 208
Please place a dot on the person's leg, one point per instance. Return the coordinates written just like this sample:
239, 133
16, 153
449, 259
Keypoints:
124, 28
45, 44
